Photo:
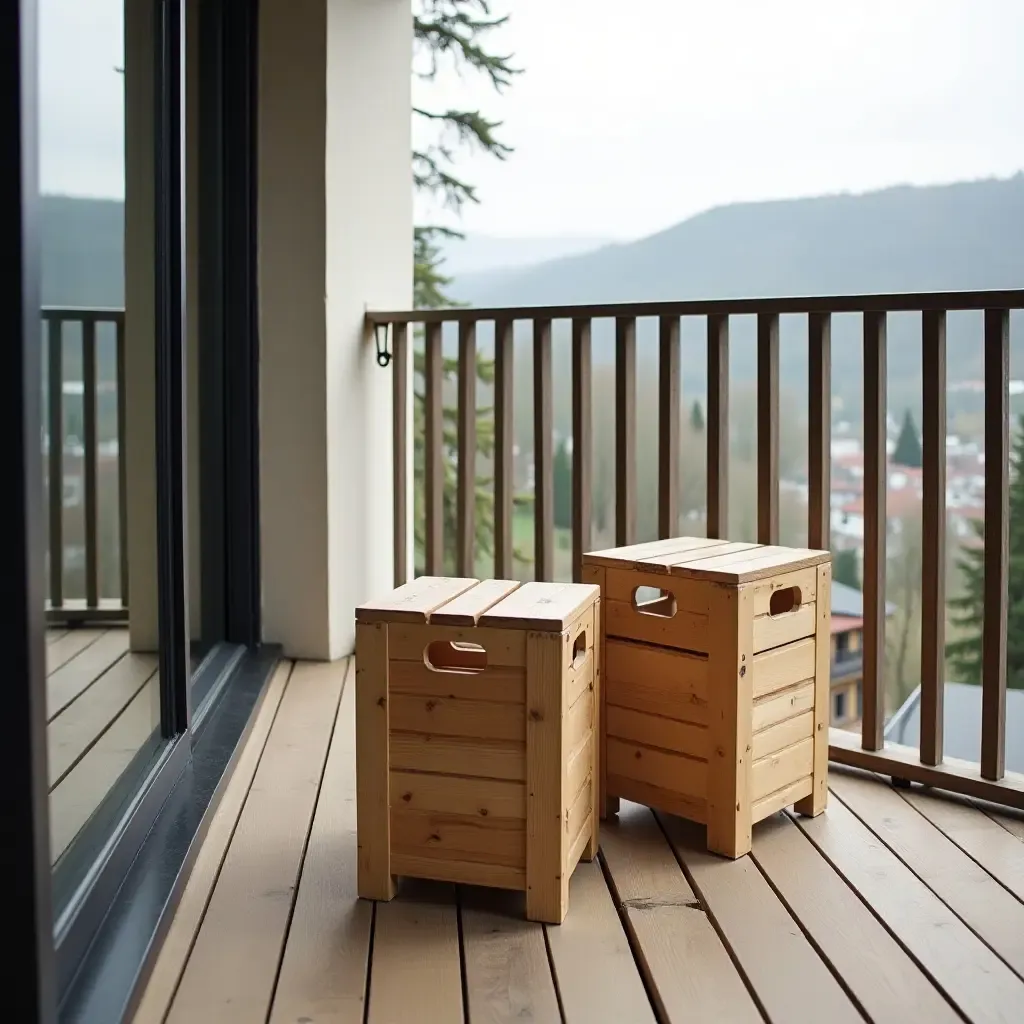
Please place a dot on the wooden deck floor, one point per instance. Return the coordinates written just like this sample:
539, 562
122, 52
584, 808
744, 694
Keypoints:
894, 906
102, 705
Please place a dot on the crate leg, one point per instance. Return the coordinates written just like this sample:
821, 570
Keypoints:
609, 806
547, 781
813, 805
373, 819
730, 734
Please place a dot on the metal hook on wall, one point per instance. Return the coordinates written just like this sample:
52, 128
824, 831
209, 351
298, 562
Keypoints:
381, 334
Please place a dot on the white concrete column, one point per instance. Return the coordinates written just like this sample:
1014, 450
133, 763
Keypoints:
335, 237
140, 324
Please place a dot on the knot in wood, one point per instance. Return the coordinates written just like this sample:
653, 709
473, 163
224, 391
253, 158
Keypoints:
536, 715
382, 702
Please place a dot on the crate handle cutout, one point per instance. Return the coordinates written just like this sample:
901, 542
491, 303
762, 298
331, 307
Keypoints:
455, 656
784, 601
654, 601
579, 649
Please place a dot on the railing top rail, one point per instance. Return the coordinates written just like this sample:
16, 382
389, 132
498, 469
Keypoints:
895, 302
95, 314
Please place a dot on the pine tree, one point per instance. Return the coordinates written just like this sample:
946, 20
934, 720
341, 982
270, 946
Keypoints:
452, 32
908, 446
697, 418
964, 656
844, 568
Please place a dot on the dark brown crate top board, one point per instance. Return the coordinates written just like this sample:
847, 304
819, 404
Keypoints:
703, 558
504, 604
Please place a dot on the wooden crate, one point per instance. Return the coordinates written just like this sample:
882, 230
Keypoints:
715, 673
477, 736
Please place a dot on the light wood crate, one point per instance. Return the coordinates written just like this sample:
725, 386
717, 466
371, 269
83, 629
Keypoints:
715, 695
477, 736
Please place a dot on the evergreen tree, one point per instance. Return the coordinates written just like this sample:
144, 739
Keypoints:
456, 33
697, 418
844, 568
908, 445
562, 486
964, 655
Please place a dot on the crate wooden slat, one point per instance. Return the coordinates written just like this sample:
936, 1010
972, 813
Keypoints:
477, 736
715, 693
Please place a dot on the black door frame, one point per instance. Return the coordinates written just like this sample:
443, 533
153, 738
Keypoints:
24, 810
145, 852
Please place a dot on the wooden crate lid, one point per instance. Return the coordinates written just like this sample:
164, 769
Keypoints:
702, 558
447, 601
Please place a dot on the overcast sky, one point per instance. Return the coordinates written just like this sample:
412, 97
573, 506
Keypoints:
624, 125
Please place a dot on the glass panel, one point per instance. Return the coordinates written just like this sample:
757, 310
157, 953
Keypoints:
102, 686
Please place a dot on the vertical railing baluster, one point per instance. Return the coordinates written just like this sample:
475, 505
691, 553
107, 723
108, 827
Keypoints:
767, 428
504, 434
875, 486
819, 430
717, 426
669, 388
89, 425
55, 382
582, 442
625, 430
933, 533
997, 543
122, 463
465, 550
434, 455
544, 505
399, 447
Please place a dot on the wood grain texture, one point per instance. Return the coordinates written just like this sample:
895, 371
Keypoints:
375, 756
625, 430
597, 977
582, 445
547, 877
818, 799
884, 980
504, 439
768, 428
688, 970
416, 973
543, 453
191, 910
994, 847
984, 905
508, 977
400, 434
819, 429
669, 416
762, 938
230, 973
971, 976
434, 456
875, 477
541, 606
323, 970
718, 426
414, 601
997, 543
933, 535
465, 500
466, 609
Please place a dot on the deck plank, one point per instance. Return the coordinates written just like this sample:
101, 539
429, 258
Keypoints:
991, 912
188, 917
416, 972
323, 973
74, 731
597, 978
84, 788
689, 971
69, 646
789, 978
508, 976
229, 977
884, 980
971, 975
54, 634
1015, 826
72, 679
983, 839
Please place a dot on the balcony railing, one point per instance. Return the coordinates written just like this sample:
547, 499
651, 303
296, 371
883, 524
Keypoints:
84, 456
987, 780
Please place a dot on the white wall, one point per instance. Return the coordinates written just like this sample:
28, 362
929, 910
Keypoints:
335, 237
